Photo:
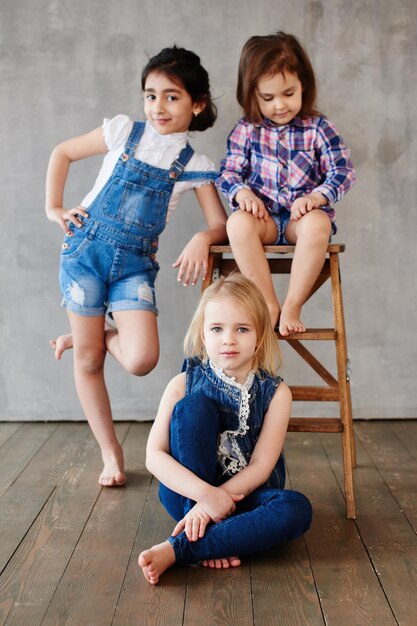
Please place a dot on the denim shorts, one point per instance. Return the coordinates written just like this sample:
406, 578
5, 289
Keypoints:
98, 275
281, 220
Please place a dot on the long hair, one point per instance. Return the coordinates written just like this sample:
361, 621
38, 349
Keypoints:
267, 355
270, 55
185, 69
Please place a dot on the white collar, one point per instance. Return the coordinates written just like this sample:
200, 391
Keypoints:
166, 140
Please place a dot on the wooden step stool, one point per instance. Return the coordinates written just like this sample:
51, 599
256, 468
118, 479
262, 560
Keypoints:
336, 389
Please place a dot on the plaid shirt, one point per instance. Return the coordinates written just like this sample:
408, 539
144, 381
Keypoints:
282, 163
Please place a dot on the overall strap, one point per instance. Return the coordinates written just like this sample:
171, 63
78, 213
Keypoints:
133, 140
178, 166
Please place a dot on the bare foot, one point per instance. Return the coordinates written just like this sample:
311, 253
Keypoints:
231, 561
64, 342
113, 474
289, 321
156, 560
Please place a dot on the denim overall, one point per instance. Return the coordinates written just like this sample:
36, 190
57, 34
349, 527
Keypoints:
267, 516
110, 263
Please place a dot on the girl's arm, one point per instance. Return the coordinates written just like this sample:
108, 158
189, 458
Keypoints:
268, 447
213, 503
62, 156
233, 172
194, 258
236, 164
335, 163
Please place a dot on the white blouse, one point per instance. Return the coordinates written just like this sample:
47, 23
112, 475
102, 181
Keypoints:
154, 149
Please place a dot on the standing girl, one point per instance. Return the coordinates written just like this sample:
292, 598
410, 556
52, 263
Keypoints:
217, 439
108, 261
285, 168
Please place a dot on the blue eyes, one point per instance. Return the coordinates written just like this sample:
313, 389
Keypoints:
218, 329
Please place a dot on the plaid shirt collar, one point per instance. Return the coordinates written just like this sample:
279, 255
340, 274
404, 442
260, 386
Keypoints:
266, 123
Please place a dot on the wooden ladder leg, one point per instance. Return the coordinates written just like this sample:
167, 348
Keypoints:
213, 266
345, 380
348, 444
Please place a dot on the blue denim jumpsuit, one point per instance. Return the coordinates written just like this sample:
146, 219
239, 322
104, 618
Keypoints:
110, 263
267, 516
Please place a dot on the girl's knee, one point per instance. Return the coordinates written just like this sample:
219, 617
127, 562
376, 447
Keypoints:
198, 403
140, 365
298, 510
240, 224
89, 360
315, 224
291, 510
196, 408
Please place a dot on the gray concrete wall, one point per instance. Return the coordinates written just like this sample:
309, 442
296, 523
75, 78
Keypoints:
67, 64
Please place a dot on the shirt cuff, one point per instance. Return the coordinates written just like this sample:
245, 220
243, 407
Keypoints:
232, 194
328, 193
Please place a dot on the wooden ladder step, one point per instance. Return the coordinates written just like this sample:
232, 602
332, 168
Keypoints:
313, 334
334, 248
315, 425
315, 393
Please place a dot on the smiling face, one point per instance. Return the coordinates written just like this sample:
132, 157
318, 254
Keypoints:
168, 106
279, 97
229, 337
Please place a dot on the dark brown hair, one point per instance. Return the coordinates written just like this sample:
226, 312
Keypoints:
185, 69
270, 55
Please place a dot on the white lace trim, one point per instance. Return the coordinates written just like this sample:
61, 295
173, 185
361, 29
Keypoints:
229, 453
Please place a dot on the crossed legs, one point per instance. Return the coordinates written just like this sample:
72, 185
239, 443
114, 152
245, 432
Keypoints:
264, 518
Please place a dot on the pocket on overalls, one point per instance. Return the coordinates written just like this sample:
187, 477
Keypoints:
134, 204
75, 245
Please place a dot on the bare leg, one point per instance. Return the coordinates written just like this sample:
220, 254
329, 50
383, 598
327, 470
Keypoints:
64, 342
155, 561
247, 235
89, 355
311, 237
135, 343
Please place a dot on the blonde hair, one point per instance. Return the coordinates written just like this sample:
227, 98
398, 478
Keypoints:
267, 355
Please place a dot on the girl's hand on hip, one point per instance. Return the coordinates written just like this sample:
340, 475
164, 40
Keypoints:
248, 201
193, 260
63, 216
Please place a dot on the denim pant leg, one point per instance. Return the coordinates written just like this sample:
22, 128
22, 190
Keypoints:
264, 519
194, 433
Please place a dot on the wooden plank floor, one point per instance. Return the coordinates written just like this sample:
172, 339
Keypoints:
68, 549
